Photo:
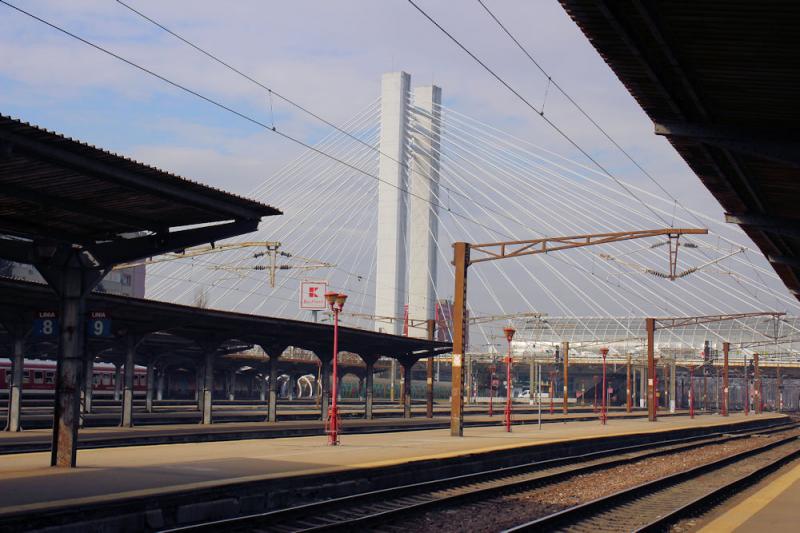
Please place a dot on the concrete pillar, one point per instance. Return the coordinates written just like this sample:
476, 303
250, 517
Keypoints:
368, 392
88, 382
208, 385
230, 384
117, 381
272, 408
14, 422
198, 387
423, 198
72, 280
127, 397
390, 268
151, 385
407, 388
325, 378
160, 384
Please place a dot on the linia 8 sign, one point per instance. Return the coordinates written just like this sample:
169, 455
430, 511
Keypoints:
312, 295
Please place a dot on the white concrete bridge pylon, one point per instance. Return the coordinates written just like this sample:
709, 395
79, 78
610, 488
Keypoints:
424, 192
390, 267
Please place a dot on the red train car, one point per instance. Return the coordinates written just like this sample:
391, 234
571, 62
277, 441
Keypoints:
40, 376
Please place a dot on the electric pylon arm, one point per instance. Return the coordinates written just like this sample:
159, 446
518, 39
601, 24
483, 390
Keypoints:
509, 249
466, 254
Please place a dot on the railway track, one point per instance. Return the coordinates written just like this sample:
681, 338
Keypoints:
655, 505
382, 507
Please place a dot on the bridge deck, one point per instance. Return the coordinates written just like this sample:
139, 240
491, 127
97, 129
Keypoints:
110, 474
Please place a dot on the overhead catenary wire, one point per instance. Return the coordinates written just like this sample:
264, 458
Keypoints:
524, 100
219, 104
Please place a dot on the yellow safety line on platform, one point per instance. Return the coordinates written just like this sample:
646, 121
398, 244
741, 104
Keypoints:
746, 509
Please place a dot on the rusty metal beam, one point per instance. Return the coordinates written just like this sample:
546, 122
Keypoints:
508, 249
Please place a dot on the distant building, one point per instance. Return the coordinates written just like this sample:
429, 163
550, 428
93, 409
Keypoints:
125, 282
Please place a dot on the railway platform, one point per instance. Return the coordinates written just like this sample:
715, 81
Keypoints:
239, 425
772, 506
156, 486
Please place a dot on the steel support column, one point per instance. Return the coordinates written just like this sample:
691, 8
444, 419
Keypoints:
726, 346
650, 324
461, 262
565, 353
14, 422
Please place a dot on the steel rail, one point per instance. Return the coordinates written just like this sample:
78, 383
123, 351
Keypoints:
359, 510
643, 497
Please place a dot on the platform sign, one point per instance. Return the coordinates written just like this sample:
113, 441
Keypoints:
45, 324
312, 295
98, 324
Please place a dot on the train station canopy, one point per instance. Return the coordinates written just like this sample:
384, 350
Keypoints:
719, 80
175, 328
65, 189
774, 336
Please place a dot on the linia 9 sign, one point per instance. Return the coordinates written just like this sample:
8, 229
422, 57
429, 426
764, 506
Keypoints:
99, 324
312, 295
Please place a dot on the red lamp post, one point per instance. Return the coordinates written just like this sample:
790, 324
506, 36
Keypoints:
603, 415
509, 331
336, 302
691, 391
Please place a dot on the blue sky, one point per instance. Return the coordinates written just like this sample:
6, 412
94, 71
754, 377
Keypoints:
326, 55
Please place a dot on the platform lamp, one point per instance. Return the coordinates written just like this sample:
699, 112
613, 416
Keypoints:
603, 416
336, 303
509, 332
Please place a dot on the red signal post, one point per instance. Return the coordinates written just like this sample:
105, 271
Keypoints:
603, 414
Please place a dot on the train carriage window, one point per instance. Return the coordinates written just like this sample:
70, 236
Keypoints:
38, 377
106, 379
26, 377
49, 377
96, 379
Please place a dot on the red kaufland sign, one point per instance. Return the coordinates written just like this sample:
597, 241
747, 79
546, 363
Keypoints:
312, 295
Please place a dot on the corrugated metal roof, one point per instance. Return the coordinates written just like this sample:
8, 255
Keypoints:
58, 185
718, 65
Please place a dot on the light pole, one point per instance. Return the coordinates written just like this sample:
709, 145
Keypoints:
336, 302
603, 416
509, 331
